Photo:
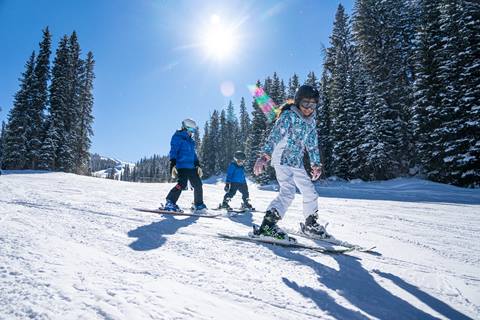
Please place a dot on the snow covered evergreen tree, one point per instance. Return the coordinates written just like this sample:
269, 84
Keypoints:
244, 126
2, 139
293, 84
85, 117
312, 80
39, 96
224, 138
379, 35
15, 143
255, 141
340, 99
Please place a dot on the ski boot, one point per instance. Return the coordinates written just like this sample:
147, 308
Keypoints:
269, 227
199, 208
170, 206
313, 229
246, 206
225, 205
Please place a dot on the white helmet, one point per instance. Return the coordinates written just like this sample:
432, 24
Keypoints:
189, 125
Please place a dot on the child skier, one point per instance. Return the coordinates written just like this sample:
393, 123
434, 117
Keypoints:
236, 181
184, 164
293, 133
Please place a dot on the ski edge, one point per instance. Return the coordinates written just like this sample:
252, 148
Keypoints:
183, 213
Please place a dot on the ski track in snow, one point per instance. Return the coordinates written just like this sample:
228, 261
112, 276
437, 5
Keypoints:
72, 247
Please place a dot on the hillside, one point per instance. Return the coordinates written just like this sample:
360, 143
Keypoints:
73, 248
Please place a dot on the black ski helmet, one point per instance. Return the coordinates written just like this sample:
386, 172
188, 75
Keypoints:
239, 156
306, 92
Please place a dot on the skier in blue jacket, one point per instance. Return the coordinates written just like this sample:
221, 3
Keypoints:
293, 134
185, 166
236, 181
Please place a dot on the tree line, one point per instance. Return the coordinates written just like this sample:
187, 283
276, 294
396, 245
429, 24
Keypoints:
49, 126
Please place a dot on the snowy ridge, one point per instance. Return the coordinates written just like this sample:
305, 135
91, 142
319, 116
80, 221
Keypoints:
72, 247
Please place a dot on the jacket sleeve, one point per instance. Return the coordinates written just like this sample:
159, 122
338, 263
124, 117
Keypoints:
279, 130
312, 147
230, 171
174, 146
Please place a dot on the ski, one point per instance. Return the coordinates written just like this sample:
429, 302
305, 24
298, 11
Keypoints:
287, 244
234, 211
333, 241
206, 214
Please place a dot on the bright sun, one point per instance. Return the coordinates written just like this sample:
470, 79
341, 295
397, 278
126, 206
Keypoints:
218, 40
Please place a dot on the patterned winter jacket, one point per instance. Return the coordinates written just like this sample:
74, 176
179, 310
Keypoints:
290, 136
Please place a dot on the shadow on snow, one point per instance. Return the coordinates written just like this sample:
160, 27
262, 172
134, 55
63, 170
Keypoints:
152, 236
358, 287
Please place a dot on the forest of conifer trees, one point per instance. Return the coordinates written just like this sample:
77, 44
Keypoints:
50, 124
399, 96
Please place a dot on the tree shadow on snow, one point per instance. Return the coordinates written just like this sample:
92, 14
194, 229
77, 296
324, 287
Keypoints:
434, 303
152, 236
356, 285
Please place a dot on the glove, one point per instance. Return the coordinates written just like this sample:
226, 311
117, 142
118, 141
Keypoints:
227, 187
261, 164
200, 172
316, 172
174, 172
173, 169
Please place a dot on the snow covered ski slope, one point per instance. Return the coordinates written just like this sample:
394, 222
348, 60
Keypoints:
72, 247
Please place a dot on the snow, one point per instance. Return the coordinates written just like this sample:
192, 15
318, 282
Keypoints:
73, 248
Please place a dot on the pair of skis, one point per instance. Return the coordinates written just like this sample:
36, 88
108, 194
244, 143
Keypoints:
289, 243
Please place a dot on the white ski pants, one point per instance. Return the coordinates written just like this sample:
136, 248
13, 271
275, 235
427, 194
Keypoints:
288, 178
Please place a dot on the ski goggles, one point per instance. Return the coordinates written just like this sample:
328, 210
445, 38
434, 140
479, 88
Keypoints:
191, 129
308, 105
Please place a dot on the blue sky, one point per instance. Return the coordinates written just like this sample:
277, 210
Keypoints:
152, 68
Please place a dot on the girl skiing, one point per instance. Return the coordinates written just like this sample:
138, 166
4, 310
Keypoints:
293, 133
184, 164
236, 181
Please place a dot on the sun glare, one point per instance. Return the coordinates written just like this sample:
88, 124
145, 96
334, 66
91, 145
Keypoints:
218, 40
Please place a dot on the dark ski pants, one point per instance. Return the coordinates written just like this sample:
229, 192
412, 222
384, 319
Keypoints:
185, 175
234, 186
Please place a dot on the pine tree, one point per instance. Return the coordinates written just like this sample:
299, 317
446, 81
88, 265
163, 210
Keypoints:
382, 57
468, 152
57, 111
293, 85
255, 141
85, 117
244, 125
312, 80
67, 154
2, 140
214, 134
206, 152
41, 75
222, 146
341, 103
324, 122
427, 86
232, 134
15, 143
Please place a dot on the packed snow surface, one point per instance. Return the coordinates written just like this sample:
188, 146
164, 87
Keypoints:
71, 247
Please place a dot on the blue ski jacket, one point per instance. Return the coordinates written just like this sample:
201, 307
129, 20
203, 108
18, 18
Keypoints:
182, 150
235, 173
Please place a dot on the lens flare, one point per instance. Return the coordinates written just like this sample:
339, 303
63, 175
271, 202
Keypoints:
266, 104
